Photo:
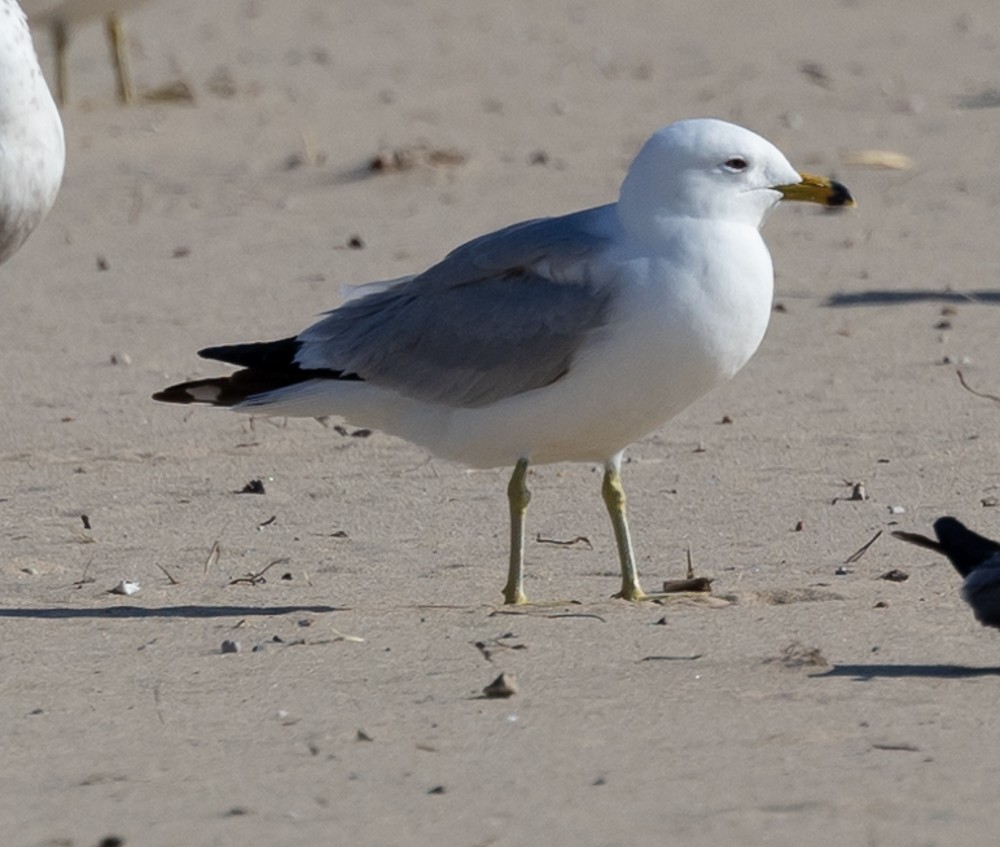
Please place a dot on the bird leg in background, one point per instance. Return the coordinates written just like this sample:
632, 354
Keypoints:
114, 29
116, 42
518, 496
119, 50
60, 42
614, 499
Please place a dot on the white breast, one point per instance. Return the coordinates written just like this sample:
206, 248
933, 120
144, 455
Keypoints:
32, 150
672, 338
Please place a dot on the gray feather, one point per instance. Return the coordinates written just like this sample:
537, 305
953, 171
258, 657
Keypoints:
498, 316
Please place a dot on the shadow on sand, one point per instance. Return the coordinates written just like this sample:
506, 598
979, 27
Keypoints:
864, 673
113, 612
876, 297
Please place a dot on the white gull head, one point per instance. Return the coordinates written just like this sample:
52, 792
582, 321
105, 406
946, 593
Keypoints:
705, 169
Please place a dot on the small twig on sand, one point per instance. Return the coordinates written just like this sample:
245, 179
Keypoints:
580, 539
258, 578
213, 556
971, 390
85, 577
857, 554
167, 574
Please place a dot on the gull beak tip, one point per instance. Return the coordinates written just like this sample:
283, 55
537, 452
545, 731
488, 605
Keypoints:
840, 196
818, 189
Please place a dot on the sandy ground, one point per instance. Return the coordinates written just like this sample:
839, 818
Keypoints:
803, 706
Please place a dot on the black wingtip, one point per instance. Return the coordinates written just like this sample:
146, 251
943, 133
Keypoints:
272, 355
173, 394
265, 366
214, 392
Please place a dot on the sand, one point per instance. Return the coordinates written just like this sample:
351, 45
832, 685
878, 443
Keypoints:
809, 702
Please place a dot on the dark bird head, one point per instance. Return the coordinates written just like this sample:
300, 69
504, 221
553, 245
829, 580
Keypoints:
964, 548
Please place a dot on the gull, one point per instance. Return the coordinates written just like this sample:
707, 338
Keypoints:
58, 16
32, 147
556, 339
976, 558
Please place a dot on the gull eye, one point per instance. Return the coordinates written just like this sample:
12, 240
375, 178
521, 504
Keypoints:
736, 164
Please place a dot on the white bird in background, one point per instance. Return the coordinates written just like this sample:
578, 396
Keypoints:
557, 339
32, 148
977, 559
60, 16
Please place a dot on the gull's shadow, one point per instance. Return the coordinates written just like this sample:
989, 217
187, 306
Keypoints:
863, 673
55, 613
879, 297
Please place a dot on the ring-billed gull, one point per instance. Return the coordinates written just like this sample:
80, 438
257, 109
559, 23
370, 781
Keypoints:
977, 559
32, 148
556, 339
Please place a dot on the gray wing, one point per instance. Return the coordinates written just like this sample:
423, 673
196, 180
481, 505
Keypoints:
500, 315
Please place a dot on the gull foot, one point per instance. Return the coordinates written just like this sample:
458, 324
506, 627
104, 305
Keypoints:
635, 594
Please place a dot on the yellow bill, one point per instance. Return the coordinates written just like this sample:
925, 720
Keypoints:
818, 189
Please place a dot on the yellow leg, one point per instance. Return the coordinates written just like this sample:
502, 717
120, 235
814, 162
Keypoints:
518, 497
119, 57
60, 42
614, 500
